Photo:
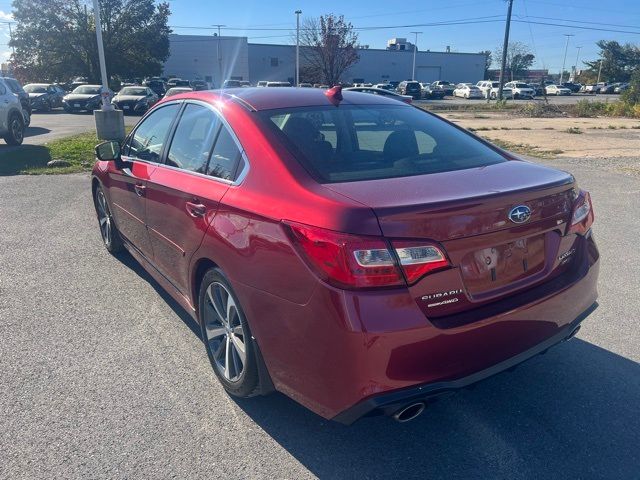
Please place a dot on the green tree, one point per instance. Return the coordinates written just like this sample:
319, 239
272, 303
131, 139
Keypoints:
618, 61
328, 47
55, 39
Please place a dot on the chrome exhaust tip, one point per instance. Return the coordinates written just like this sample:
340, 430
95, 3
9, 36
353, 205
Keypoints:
409, 412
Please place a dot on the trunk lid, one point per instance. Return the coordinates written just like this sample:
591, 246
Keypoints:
467, 212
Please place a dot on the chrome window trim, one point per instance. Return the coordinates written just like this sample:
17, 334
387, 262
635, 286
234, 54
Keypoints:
245, 169
241, 175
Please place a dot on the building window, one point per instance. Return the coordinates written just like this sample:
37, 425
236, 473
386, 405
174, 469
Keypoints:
274, 61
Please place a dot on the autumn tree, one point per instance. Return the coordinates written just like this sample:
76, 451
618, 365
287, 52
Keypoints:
519, 59
328, 47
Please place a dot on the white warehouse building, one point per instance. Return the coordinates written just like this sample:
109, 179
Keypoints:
215, 59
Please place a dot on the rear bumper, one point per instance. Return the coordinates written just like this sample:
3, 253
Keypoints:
388, 403
345, 354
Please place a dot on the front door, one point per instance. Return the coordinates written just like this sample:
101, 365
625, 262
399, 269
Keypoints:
184, 193
127, 187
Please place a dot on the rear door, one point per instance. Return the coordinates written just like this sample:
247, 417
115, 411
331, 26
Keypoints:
185, 191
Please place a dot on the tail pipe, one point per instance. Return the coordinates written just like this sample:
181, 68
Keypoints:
409, 412
573, 333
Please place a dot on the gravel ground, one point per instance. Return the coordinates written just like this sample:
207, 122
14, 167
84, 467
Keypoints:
103, 376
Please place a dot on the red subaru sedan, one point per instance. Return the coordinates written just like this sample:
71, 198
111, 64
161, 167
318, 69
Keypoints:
356, 253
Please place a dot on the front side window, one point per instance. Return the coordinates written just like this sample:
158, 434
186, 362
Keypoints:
150, 136
194, 137
354, 143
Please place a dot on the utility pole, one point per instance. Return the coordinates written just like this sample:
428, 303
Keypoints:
106, 104
505, 47
298, 12
564, 60
219, 55
415, 50
13, 49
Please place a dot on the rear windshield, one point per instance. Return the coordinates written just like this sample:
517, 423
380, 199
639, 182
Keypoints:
353, 142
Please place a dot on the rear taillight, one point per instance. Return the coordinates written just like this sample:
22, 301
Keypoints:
353, 261
582, 213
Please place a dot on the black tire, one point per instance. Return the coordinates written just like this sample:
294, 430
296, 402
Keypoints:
247, 382
112, 241
15, 135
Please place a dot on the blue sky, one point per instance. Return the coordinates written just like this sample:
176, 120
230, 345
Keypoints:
547, 42
273, 21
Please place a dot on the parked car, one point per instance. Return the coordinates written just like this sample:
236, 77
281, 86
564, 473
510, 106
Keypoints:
278, 84
359, 259
595, 88
443, 85
157, 84
178, 82
609, 88
411, 88
466, 90
83, 98
135, 99
262, 83
621, 88
574, 87
381, 91
557, 90
44, 96
199, 85
177, 90
521, 90
245, 83
305, 85
231, 84
429, 93
12, 120
385, 86
537, 88
490, 89
25, 103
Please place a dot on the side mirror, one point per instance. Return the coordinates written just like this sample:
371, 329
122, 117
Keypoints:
108, 151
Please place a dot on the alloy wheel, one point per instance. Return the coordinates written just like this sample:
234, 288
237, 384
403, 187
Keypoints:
16, 129
104, 218
225, 335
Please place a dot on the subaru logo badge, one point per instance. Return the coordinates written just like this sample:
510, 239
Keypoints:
520, 214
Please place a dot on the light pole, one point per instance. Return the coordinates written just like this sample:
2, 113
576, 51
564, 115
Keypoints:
298, 12
564, 61
415, 49
218, 51
575, 68
106, 104
600, 70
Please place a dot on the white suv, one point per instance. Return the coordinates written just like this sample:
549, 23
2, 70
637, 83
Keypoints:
521, 90
490, 89
11, 117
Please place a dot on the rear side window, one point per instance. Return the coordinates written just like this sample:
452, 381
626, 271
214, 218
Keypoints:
150, 136
353, 143
194, 137
225, 157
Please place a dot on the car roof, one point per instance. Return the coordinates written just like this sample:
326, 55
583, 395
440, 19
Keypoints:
287, 97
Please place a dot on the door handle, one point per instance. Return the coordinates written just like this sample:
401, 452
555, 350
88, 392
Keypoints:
196, 209
139, 188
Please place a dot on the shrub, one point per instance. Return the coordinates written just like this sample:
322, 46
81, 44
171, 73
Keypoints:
575, 130
587, 108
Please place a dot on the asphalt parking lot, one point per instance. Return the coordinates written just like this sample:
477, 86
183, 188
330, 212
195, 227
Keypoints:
47, 126
103, 376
